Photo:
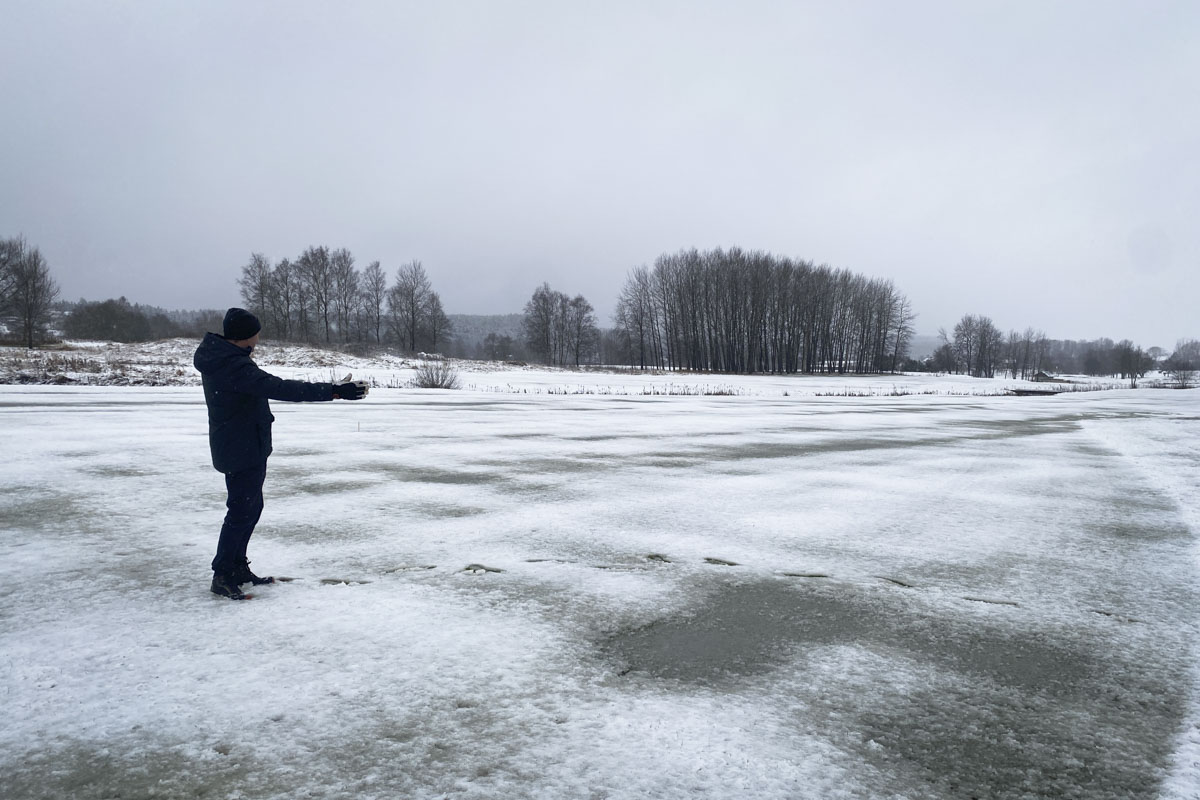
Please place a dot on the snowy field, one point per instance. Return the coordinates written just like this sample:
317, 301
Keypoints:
526, 594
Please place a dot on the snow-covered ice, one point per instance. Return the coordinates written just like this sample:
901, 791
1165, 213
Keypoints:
764, 595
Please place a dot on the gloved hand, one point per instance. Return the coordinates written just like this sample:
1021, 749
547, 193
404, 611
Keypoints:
350, 390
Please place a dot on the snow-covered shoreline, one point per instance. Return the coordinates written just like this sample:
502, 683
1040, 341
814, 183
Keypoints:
169, 363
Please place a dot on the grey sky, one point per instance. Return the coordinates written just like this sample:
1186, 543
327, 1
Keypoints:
1033, 161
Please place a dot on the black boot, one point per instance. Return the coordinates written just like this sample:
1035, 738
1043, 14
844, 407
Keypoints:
242, 574
226, 586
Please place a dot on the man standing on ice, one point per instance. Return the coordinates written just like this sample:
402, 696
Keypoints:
239, 434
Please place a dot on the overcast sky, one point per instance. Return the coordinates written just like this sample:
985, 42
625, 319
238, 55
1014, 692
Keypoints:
1035, 161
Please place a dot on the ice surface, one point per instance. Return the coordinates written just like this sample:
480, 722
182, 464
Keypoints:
1008, 605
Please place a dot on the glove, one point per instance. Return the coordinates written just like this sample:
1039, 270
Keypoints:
350, 390
353, 390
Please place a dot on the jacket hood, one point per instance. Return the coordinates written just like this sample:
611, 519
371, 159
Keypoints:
216, 353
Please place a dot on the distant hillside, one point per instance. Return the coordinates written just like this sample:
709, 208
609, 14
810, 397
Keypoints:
922, 346
471, 329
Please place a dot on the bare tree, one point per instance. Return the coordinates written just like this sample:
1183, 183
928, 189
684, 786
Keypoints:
408, 301
437, 324
33, 290
1012, 353
560, 329
539, 322
581, 330
1183, 365
282, 299
1028, 349
991, 348
1188, 350
636, 320
965, 343
903, 330
978, 345
345, 293
256, 287
316, 278
374, 295
11, 253
1131, 361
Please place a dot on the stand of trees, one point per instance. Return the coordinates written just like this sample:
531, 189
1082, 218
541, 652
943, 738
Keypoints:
1101, 357
560, 329
27, 290
978, 348
119, 321
322, 297
1183, 365
748, 311
500, 347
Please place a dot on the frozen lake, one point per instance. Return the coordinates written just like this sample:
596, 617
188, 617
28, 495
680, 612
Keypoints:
504, 595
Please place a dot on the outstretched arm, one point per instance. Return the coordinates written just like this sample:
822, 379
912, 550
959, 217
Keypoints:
249, 379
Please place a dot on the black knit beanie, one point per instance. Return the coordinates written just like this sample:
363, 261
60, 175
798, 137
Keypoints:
240, 324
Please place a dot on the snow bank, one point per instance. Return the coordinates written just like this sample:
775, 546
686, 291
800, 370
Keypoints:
169, 363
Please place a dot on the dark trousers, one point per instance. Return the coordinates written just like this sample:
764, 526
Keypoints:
245, 506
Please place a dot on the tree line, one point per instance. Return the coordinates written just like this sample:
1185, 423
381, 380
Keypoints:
977, 347
749, 311
120, 321
322, 297
718, 310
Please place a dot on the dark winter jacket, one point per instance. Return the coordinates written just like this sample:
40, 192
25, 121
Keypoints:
236, 391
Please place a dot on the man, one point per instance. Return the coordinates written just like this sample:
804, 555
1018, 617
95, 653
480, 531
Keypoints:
239, 435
